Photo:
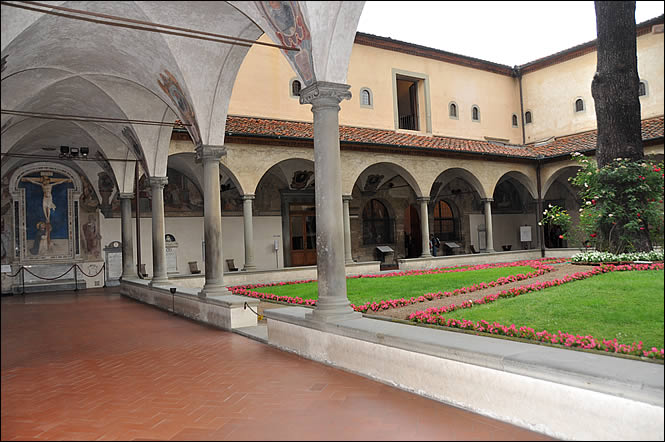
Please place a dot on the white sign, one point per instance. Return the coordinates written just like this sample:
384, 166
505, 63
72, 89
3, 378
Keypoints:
113, 265
171, 257
525, 233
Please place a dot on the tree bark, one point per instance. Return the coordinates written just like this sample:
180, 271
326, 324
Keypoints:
615, 84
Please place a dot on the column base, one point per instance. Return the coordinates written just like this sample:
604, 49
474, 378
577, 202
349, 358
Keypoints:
159, 281
249, 268
332, 316
213, 290
428, 255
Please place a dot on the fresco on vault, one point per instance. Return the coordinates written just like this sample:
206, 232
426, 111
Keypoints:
172, 88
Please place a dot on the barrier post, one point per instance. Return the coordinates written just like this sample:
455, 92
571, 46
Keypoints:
76, 284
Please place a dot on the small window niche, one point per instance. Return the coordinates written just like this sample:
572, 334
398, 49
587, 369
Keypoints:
579, 105
294, 88
453, 110
475, 113
643, 89
528, 117
366, 98
515, 121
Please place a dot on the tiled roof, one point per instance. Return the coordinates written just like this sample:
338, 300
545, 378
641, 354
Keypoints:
268, 128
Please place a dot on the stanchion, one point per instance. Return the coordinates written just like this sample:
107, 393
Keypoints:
76, 284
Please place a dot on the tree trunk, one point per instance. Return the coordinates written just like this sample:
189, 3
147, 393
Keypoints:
615, 85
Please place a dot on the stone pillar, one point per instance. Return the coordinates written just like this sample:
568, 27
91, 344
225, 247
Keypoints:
212, 220
128, 266
333, 304
247, 202
348, 257
488, 224
424, 226
159, 275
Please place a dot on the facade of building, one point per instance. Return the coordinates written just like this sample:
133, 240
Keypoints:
431, 143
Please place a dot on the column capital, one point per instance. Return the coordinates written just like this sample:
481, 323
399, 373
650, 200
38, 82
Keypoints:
248, 196
158, 181
126, 196
423, 199
487, 200
347, 197
325, 92
208, 152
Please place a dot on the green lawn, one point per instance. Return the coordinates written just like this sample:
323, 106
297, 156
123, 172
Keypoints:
363, 290
627, 306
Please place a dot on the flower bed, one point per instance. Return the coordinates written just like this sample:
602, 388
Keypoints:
594, 257
540, 265
433, 316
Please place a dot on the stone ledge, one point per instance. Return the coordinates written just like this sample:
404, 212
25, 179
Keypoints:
637, 380
227, 312
550, 390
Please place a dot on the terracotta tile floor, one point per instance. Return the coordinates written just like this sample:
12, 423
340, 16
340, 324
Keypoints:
97, 366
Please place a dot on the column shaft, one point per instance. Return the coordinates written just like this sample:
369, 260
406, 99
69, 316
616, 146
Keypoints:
159, 274
333, 304
348, 256
488, 224
424, 226
128, 266
212, 220
247, 202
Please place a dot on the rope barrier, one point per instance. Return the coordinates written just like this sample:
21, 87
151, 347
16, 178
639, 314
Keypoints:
259, 317
48, 279
74, 266
91, 276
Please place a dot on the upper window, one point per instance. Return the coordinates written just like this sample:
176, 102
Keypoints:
642, 88
579, 105
295, 88
527, 117
377, 225
366, 99
475, 113
515, 123
452, 110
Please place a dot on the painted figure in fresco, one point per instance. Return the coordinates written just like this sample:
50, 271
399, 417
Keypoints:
92, 236
40, 245
47, 184
172, 88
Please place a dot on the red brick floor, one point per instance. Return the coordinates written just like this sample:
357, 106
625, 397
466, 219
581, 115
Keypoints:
102, 367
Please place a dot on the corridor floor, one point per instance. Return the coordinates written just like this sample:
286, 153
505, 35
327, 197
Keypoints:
94, 365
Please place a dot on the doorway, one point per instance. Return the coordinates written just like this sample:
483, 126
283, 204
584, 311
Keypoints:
413, 244
302, 230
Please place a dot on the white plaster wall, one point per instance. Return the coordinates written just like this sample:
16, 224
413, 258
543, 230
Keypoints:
188, 232
506, 229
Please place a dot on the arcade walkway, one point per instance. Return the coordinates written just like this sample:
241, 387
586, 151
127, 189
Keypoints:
98, 366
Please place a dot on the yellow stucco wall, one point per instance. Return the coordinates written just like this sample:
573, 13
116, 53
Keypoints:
262, 90
550, 93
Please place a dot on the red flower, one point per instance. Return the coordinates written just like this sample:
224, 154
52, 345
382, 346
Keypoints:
641, 228
593, 235
561, 236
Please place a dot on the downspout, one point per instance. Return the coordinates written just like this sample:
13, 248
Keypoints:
138, 220
541, 233
518, 73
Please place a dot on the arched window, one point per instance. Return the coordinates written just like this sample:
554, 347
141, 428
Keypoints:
579, 105
527, 117
445, 224
364, 97
475, 113
642, 89
295, 88
377, 225
515, 124
452, 110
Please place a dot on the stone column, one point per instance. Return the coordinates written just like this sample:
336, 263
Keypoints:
247, 202
128, 266
333, 304
159, 275
212, 220
424, 226
488, 224
348, 257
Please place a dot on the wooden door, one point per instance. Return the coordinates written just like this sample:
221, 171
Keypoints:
302, 222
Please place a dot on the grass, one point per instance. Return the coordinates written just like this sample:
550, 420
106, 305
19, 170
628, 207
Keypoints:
362, 290
627, 306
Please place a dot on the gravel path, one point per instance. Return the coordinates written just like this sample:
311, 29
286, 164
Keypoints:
560, 270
